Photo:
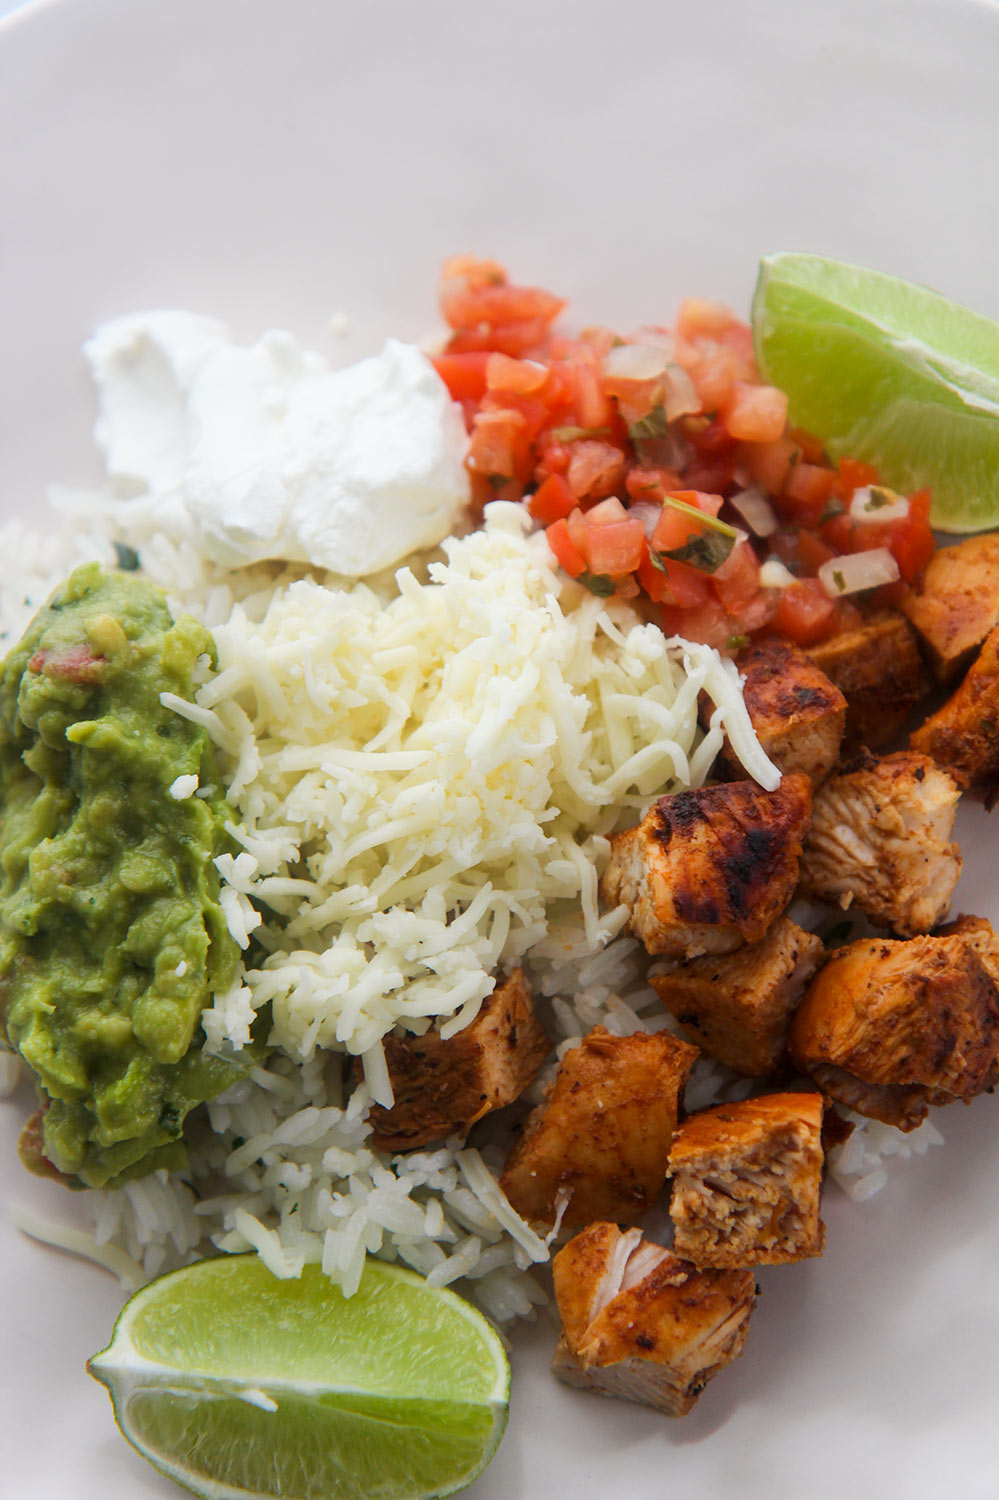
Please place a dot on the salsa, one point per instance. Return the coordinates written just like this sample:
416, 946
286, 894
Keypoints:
664, 470
112, 938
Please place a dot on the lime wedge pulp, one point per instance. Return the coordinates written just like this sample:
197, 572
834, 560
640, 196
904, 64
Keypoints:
235, 1383
889, 372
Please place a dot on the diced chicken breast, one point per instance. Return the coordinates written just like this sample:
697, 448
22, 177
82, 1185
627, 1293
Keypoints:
442, 1087
598, 1148
878, 668
956, 603
706, 871
963, 736
880, 841
641, 1324
796, 711
888, 1028
746, 1182
737, 1006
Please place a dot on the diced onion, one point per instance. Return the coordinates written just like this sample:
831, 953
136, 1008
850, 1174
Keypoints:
859, 570
774, 575
872, 504
646, 511
636, 362
680, 395
756, 510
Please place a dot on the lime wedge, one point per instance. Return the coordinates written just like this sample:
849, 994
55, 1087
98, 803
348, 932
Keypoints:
888, 372
235, 1383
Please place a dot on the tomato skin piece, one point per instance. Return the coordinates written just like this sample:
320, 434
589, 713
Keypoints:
466, 306
595, 468
463, 374
566, 552
706, 622
498, 445
688, 586
755, 413
517, 377
525, 336
552, 501
653, 579
616, 548
771, 463
805, 613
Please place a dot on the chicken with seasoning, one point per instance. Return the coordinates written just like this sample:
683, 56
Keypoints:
955, 604
598, 1148
643, 1325
746, 1182
706, 871
441, 1087
889, 1028
737, 1006
877, 666
797, 713
880, 841
963, 735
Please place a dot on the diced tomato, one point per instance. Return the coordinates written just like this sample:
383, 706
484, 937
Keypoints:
737, 581
708, 501
607, 513
707, 622
755, 413
616, 548
805, 613
467, 306
518, 377
713, 369
525, 336
565, 549
813, 449
595, 468
697, 317
688, 586
812, 553
674, 528
652, 579
551, 501
807, 493
853, 475
463, 374
770, 463
498, 443
709, 437
651, 484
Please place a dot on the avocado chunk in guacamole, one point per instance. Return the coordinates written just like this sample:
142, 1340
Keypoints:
112, 938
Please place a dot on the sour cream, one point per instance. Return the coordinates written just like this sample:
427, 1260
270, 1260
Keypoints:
266, 453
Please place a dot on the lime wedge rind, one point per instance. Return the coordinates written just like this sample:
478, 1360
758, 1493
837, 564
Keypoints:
422, 1418
889, 372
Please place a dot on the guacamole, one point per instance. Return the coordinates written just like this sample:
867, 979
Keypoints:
112, 938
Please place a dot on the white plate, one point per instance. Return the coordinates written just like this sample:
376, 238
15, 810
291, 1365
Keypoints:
273, 163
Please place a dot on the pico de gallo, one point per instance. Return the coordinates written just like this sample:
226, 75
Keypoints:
664, 470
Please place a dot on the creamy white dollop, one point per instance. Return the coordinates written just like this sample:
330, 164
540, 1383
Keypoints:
265, 452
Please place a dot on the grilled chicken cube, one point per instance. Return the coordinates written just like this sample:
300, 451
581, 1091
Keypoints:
888, 1028
796, 711
706, 871
737, 1006
878, 668
442, 1087
641, 1324
963, 736
880, 841
746, 1182
956, 603
598, 1148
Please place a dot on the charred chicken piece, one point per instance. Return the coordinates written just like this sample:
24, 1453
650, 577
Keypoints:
442, 1087
798, 714
599, 1146
880, 841
641, 1324
963, 736
888, 1028
706, 871
746, 1182
736, 1007
956, 603
878, 668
